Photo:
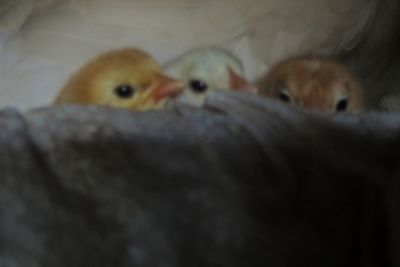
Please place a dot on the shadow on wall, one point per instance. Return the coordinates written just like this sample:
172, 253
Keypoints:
377, 57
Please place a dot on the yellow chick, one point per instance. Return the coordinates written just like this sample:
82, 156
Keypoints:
205, 70
314, 83
125, 78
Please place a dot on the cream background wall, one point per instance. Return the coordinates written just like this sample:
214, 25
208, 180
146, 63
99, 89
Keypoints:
43, 41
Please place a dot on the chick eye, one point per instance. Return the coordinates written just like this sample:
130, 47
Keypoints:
198, 86
342, 105
124, 91
284, 96
282, 93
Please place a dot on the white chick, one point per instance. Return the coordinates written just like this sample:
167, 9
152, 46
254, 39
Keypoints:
205, 70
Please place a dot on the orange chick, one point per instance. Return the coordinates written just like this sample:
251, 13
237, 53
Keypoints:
126, 78
315, 83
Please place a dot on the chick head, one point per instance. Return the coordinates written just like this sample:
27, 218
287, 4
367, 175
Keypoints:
205, 70
314, 83
126, 78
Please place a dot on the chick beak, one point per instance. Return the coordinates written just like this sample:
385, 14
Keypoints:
164, 87
238, 83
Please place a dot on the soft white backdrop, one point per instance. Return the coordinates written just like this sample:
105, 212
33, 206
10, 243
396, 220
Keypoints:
43, 41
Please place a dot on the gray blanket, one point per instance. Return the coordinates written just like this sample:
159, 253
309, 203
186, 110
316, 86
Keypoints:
243, 182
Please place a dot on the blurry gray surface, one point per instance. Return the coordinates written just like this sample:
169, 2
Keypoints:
244, 182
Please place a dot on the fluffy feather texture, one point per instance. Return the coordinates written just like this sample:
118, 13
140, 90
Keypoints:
44, 47
205, 70
315, 83
126, 78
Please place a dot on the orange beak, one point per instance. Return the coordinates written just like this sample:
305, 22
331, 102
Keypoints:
238, 83
164, 86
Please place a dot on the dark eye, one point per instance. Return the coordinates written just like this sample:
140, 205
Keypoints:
283, 95
124, 91
282, 92
198, 86
342, 105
